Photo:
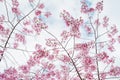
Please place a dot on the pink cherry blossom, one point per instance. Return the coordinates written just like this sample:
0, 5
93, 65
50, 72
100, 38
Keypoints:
84, 7
115, 71
41, 6
1, 28
24, 68
84, 48
105, 21
2, 18
1, 52
99, 6
47, 14
31, 1
1, 0
102, 56
87, 61
118, 39
15, 3
20, 38
16, 10
89, 76
37, 12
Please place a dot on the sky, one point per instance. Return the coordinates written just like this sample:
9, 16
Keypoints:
112, 9
56, 24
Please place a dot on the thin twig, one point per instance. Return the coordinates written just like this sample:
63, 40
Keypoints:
6, 9
14, 29
95, 35
67, 54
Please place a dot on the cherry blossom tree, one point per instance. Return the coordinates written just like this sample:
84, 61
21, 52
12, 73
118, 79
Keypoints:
84, 50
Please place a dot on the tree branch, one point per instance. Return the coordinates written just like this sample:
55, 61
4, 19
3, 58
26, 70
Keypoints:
67, 54
14, 29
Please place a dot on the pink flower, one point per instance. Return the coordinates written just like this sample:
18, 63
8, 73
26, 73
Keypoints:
48, 14
92, 68
48, 76
89, 76
88, 29
15, 10
84, 7
91, 10
58, 75
31, 1
103, 75
109, 35
52, 78
105, 21
10, 74
73, 23
75, 78
31, 62
38, 47
82, 46
39, 54
111, 48
112, 41
87, 61
2, 18
3, 76
52, 73
20, 38
41, 6
11, 71
50, 66
97, 22
1, 52
15, 3
102, 56
115, 71
42, 52
111, 60
65, 35
37, 12
1, 0
113, 30
6, 32
15, 45
27, 31
51, 57
99, 6
52, 42
38, 25
37, 58
55, 51
64, 68
25, 69
26, 23
65, 58
118, 39
1, 28
44, 64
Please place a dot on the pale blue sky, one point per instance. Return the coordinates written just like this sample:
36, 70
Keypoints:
56, 24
